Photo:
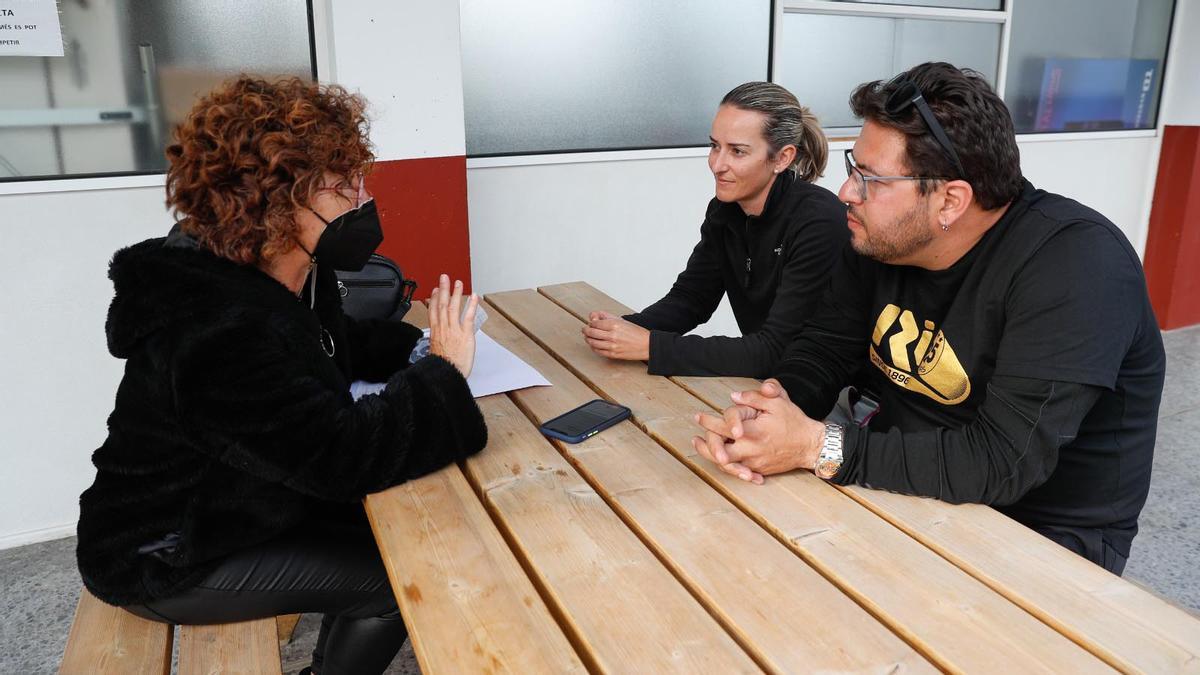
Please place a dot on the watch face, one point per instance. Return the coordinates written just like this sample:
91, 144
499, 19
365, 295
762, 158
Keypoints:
827, 467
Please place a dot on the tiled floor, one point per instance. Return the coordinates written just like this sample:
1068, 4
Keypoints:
39, 584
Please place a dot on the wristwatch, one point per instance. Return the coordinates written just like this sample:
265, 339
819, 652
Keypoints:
830, 459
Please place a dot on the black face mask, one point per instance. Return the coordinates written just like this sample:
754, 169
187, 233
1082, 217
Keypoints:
349, 240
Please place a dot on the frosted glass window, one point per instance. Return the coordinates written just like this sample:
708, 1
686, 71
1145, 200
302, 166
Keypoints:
1086, 65
96, 111
822, 58
557, 76
951, 4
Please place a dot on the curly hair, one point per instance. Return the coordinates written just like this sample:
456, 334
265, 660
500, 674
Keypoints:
252, 152
973, 116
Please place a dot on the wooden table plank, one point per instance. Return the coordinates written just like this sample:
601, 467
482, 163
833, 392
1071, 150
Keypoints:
1128, 626
468, 604
784, 613
945, 613
241, 648
617, 599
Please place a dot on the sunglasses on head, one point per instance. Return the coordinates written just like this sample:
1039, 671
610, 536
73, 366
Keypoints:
908, 94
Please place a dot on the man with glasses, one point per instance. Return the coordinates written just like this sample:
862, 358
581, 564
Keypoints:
1004, 331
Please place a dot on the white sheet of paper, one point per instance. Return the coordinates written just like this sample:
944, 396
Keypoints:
496, 370
30, 28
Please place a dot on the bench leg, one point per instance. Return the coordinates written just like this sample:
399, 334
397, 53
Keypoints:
286, 625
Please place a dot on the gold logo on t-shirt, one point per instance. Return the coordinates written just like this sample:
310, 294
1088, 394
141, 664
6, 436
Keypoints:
938, 374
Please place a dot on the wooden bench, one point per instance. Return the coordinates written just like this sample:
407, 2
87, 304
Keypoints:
107, 640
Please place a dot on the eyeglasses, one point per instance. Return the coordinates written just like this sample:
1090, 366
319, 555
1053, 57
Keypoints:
356, 195
861, 180
908, 94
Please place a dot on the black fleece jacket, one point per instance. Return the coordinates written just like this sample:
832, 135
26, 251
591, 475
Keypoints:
232, 425
774, 267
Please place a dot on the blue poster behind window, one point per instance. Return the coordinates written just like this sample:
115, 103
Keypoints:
1096, 94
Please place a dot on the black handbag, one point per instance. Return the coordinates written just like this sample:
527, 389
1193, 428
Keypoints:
378, 291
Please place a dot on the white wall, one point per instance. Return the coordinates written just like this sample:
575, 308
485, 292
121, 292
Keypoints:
1113, 176
404, 56
628, 226
57, 377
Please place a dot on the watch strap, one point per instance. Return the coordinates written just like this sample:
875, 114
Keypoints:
830, 459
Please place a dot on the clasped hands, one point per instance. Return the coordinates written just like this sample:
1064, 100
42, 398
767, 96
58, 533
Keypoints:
613, 337
763, 433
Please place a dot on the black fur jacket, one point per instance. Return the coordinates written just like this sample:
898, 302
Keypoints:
232, 425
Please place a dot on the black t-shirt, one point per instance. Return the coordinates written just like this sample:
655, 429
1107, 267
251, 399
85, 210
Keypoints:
1027, 375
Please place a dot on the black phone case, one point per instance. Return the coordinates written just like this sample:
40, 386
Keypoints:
622, 415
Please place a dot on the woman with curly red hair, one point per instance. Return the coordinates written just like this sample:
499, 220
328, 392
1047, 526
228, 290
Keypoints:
229, 485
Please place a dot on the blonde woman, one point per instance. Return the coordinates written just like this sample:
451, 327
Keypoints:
768, 240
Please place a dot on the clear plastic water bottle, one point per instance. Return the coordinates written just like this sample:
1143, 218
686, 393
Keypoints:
422, 349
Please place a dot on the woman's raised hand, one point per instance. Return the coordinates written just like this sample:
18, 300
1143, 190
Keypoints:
451, 330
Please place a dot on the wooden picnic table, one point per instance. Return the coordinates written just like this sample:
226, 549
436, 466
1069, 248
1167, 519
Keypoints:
629, 553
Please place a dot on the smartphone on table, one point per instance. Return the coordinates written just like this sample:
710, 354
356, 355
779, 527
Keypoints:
588, 419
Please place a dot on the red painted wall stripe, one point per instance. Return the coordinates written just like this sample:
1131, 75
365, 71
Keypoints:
1172, 260
423, 208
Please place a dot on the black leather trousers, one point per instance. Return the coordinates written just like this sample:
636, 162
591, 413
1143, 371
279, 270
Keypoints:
328, 568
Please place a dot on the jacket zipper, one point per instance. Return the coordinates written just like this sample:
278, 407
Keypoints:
747, 243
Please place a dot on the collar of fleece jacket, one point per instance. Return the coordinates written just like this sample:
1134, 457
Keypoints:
157, 285
731, 213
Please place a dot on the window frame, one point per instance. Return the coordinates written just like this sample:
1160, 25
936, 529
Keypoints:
321, 63
321, 41
841, 137
1001, 16
884, 11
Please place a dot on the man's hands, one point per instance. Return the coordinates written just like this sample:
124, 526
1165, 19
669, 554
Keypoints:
611, 336
452, 331
764, 433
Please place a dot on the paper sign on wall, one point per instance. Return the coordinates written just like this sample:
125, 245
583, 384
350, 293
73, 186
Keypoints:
30, 28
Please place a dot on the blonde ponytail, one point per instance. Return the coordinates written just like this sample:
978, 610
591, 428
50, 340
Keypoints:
812, 149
